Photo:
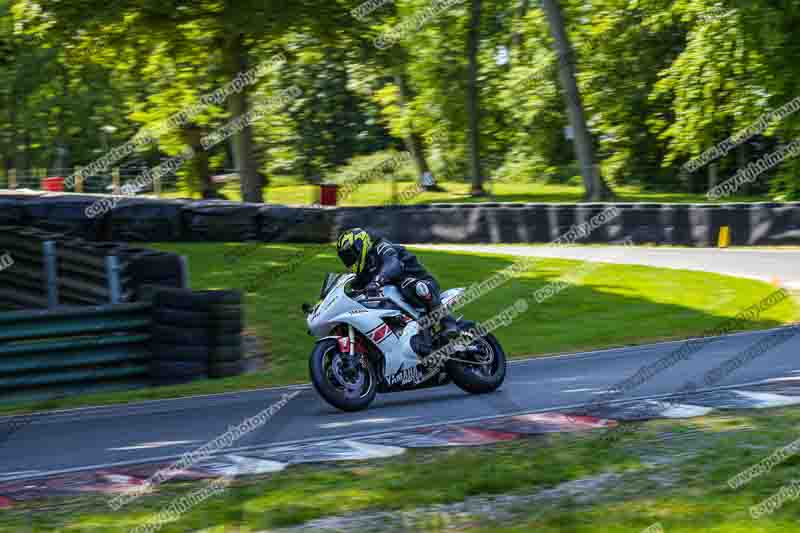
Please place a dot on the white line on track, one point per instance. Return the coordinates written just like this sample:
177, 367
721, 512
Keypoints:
353, 436
154, 445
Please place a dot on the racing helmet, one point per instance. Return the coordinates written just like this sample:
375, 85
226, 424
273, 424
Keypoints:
353, 246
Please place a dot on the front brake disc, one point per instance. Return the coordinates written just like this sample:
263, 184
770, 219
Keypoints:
352, 388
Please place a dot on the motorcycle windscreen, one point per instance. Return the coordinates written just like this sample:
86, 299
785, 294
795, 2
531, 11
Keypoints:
330, 282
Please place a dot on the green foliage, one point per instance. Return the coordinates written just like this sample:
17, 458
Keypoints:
331, 122
661, 82
389, 164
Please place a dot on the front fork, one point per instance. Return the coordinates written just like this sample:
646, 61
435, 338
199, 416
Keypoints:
347, 345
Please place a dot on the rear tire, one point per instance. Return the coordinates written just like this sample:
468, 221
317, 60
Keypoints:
318, 366
470, 378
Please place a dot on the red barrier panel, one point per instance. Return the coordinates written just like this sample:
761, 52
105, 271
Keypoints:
327, 193
55, 184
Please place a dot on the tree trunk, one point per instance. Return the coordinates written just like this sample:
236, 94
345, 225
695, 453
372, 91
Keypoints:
473, 103
11, 151
201, 169
251, 182
61, 159
200, 178
516, 37
413, 141
596, 187
741, 162
712, 175
415, 147
20, 143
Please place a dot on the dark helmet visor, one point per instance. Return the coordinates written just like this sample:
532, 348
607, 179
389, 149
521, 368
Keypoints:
348, 256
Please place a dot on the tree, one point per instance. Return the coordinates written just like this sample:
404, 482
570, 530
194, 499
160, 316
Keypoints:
398, 102
234, 27
517, 39
596, 188
236, 60
473, 99
412, 138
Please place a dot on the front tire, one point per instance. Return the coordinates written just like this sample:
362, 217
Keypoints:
345, 396
476, 378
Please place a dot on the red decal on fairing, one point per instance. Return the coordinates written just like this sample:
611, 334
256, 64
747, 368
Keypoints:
380, 333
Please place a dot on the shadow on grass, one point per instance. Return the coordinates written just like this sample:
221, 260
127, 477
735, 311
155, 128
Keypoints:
616, 305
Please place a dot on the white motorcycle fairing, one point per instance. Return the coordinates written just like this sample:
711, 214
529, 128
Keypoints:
366, 315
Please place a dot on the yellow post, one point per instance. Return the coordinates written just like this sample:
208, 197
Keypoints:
115, 181
12, 178
724, 237
79, 182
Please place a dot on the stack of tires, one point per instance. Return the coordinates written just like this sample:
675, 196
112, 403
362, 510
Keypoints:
221, 221
153, 267
280, 223
196, 334
137, 219
11, 212
73, 215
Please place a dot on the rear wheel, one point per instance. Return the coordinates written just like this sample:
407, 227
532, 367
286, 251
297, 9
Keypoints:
349, 387
481, 368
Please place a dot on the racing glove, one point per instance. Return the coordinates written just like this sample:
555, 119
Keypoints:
374, 286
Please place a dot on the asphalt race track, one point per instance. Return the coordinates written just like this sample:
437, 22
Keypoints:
101, 438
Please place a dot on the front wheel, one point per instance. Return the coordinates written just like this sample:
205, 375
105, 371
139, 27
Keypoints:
349, 387
482, 367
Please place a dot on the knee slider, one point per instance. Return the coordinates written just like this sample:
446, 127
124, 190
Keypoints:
422, 290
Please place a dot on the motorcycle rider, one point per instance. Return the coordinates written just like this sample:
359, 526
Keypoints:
376, 262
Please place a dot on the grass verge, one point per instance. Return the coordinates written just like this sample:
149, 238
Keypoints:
672, 472
378, 193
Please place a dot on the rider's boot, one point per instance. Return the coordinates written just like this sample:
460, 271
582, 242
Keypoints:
449, 327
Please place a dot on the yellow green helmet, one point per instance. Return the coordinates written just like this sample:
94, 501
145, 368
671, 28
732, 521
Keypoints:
353, 246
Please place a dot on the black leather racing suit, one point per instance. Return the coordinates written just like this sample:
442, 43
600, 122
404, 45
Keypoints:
392, 263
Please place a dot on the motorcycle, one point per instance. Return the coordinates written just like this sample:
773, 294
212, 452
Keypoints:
374, 344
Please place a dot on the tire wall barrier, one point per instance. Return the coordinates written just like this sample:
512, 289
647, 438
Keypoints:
141, 219
221, 221
659, 224
280, 223
53, 269
643, 223
51, 353
195, 335
773, 224
133, 219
